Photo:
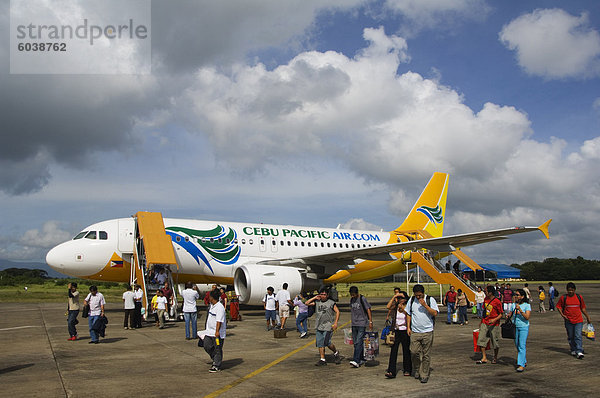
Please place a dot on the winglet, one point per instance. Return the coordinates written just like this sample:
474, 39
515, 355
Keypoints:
544, 228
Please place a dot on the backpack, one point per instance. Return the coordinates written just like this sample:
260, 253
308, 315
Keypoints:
311, 308
427, 300
362, 304
556, 293
542, 296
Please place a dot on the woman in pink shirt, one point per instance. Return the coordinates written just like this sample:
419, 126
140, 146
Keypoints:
401, 329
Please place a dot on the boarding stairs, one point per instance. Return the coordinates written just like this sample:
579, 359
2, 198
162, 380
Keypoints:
153, 251
440, 275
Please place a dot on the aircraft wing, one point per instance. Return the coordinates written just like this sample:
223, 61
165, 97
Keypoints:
345, 258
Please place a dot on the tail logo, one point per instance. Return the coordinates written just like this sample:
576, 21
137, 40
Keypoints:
434, 214
219, 243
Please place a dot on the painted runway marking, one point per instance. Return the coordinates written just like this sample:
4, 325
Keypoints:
18, 327
266, 367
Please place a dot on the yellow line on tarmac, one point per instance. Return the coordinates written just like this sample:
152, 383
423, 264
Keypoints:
260, 370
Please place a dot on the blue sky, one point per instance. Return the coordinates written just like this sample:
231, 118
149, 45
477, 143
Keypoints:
320, 113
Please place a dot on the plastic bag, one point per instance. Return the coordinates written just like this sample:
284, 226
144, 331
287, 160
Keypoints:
589, 331
348, 336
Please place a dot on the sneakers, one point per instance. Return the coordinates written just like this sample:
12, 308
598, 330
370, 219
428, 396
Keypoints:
321, 362
303, 335
574, 353
93, 342
214, 369
338, 358
72, 338
580, 355
417, 375
126, 328
424, 380
354, 364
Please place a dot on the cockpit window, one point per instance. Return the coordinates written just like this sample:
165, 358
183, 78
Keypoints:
103, 235
91, 235
80, 235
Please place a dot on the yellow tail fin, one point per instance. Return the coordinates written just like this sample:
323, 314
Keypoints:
429, 212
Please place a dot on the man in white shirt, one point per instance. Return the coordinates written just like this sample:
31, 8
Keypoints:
215, 331
96, 302
129, 305
284, 300
160, 308
422, 310
190, 311
270, 306
137, 314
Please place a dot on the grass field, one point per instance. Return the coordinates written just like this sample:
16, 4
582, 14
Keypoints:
51, 292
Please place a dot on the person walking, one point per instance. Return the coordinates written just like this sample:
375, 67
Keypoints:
73, 310
327, 314
270, 306
190, 310
361, 315
527, 292
507, 298
160, 307
401, 329
489, 327
462, 301
422, 309
571, 307
302, 318
284, 301
129, 306
479, 298
541, 297
96, 302
520, 314
551, 296
216, 326
450, 302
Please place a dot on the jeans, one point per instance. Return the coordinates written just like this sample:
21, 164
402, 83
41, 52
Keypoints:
462, 314
358, 334
400, 337
521, 344
574, 336
191, 318
71, 322
302, 322
551, 302
450, 307
93, 333
480, 310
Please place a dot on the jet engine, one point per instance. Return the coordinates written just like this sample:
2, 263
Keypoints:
251, 281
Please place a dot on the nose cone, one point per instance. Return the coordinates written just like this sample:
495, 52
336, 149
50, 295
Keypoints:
55, 259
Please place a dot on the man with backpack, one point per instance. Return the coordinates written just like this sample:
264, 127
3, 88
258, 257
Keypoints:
422, 309
360, 311
571, 307
489, 328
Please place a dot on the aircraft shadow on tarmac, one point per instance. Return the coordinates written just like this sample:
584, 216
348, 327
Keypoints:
16, 367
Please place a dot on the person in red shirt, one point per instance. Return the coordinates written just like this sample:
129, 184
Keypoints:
507, 298
571, 307
450, 301
489, 328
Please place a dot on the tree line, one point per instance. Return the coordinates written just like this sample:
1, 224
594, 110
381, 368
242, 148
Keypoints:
26, 277
560, 269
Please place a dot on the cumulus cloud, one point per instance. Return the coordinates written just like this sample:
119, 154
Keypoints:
49, 236
359, 223
554, 44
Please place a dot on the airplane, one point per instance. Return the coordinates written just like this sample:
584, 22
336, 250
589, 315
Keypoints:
255, 256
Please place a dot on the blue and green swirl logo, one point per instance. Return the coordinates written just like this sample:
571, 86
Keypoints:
218, 244
434, 214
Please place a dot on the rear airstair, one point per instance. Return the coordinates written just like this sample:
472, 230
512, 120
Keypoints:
153, 251
438, 273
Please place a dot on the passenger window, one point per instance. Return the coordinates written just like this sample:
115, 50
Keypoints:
243, 241
274, 243
289, 243
227, 241
187, 238
220, 240
281, 243
308, 244
347, 246
302, 244
296, 243
250, 241
262, 241
80, 235
91, 235
335, 245
178, 238
353, 245
328, 244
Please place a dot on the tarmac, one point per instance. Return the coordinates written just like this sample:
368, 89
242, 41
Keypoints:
37, 360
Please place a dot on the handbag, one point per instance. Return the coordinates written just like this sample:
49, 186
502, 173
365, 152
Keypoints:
85, 311
386, 330
509, 329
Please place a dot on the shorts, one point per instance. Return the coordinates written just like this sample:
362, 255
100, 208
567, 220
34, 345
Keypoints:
323, 338
284, 311
489, 333
271, 315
